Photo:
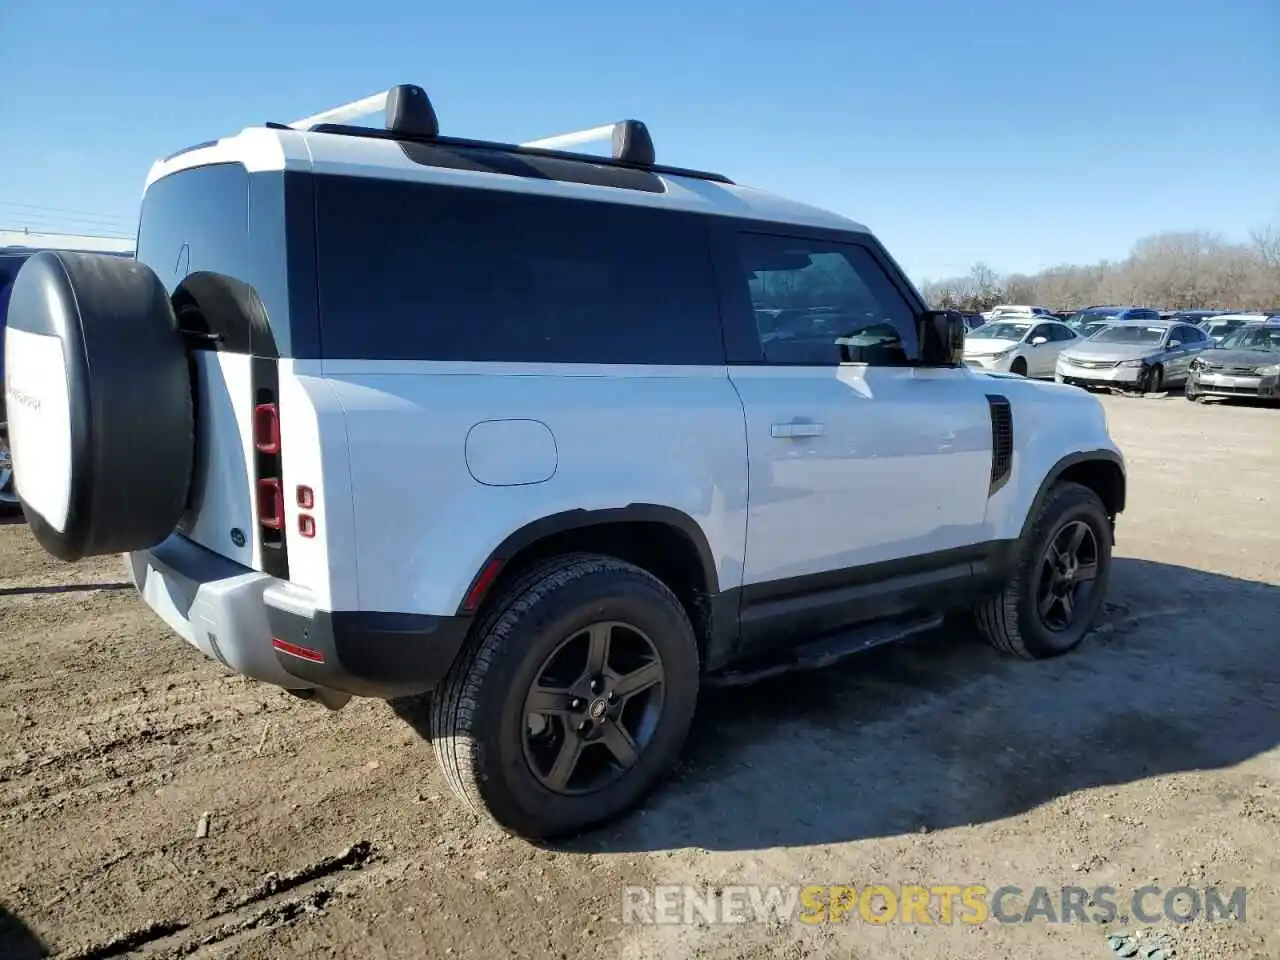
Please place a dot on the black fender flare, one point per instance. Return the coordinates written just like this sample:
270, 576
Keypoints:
578, 519
1101, 455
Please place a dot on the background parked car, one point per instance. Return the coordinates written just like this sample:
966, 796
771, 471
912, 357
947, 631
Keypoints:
1088, 329
1018, 310
1136, 356
1222, 325
1089, 314
1190, 316
1245, 364
1024, 345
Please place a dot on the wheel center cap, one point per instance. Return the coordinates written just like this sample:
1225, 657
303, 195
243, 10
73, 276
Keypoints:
597, 709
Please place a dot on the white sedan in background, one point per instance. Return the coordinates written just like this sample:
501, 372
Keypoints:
1026, 345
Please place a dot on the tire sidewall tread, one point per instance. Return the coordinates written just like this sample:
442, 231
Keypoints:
1008, 619
475, 711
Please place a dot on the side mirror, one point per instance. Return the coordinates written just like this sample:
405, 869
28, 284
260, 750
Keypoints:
941, 338
1037, 341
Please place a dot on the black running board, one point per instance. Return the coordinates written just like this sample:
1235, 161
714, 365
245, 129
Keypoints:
823, 653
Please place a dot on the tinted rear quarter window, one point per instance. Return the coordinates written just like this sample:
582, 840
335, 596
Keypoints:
416, 271
196, 220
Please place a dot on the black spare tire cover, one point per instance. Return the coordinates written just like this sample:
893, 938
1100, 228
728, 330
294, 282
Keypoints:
100, 409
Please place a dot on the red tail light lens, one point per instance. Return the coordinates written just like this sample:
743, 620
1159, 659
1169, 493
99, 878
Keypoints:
270, 504
307, 525
266, 428
306, 497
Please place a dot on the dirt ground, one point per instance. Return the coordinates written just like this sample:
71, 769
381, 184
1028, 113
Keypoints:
1149, 756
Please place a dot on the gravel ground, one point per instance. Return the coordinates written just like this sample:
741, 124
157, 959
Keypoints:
1148, 757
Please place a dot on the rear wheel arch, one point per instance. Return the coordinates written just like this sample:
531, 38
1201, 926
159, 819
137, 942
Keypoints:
663, 540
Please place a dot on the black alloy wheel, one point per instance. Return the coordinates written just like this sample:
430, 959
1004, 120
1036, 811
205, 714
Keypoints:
593, 708
1067, 576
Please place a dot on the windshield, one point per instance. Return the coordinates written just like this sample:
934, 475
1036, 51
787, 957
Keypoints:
1092, 327
1135, 334
1000, 330
1222, 327
1254, 338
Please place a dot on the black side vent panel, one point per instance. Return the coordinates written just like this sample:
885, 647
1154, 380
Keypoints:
1001, 441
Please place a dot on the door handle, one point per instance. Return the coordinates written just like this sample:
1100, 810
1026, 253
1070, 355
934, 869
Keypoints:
798, 428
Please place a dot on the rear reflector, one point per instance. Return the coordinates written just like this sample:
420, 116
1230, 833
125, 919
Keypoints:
266, 428
293, 650
270, 503
481, 586
306, 497
307, 525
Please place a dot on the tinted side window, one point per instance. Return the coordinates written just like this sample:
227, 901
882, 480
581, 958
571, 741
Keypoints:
818, 303
196, 220
423, 271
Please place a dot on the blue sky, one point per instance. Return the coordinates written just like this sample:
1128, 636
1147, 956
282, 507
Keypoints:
1023, 134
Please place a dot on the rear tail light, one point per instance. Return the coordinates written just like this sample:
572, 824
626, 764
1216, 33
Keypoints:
270, 503
266, 428
307, 525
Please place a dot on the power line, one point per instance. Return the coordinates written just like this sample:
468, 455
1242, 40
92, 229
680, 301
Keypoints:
42, 207
58, 233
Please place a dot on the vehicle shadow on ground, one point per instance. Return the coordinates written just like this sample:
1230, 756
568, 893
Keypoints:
1182, 674
17, 942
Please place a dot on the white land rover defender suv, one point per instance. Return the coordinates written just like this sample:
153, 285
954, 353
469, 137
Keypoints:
560, 438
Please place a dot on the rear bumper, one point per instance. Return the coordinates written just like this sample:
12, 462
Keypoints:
1207, 384
271, 630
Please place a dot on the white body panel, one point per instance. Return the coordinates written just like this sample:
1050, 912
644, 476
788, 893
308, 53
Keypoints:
1050, 421
669, 436
314, 453
222, 487
857, 465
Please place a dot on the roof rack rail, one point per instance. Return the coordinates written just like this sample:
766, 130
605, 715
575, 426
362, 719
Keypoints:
630, 140
409, 115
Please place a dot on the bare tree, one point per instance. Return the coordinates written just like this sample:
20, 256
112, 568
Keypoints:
1175, 270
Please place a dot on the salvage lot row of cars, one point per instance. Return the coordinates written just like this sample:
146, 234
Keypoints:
1220, 356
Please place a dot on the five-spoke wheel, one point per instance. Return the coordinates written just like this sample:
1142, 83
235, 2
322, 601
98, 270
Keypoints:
593, 708
573, 698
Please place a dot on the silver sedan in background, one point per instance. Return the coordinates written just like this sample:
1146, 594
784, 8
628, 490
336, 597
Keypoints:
1133, 355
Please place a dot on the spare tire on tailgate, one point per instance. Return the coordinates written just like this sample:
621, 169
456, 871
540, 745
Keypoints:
99, 402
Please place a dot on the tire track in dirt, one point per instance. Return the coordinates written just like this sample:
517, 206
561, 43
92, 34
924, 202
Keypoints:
279, 898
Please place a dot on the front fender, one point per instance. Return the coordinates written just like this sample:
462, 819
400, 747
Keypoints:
1055, 428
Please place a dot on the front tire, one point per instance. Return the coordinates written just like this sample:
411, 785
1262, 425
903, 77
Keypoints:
1019, 366
572, 699
1153, 380
1059, 580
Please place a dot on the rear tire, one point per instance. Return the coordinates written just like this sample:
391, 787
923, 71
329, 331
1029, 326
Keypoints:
509, 762
1025, 619
100, 408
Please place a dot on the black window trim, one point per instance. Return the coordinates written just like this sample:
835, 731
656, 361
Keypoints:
741, 336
